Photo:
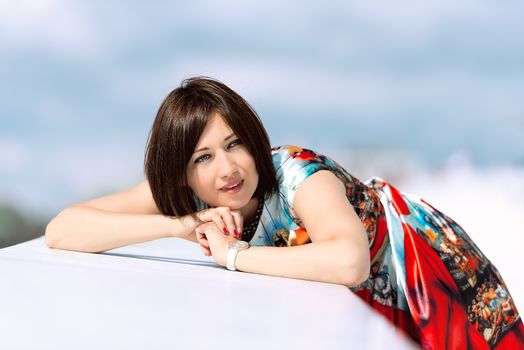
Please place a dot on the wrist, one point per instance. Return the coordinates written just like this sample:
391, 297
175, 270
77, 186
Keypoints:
235, 249
181, 226
223, 258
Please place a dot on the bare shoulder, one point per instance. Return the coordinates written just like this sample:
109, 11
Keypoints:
323, 183
322, 195
136, 200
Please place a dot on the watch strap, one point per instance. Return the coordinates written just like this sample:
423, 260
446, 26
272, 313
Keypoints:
231, 257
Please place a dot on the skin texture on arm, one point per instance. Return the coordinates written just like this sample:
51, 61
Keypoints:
113, 221
338, 252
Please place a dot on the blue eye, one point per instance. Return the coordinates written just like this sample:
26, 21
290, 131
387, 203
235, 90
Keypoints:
205, 157
202, 158
237, 141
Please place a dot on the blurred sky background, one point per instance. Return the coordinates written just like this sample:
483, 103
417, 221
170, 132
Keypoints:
427, 95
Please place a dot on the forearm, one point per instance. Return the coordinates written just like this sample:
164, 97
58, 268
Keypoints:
93, 230
331, 261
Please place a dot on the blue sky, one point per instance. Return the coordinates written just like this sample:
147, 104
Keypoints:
81, 82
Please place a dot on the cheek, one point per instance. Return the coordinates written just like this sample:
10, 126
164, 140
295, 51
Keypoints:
190, 176
195, 181
201, 182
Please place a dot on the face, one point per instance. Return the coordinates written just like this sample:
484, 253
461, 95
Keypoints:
221, 171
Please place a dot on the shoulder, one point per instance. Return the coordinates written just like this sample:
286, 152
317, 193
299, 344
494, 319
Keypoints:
291, 156
294, 164
297, 163
280, 154
289, 151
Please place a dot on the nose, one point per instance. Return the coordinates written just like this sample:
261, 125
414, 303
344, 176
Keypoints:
226, 164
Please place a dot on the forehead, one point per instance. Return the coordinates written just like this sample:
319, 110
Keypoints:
216, 129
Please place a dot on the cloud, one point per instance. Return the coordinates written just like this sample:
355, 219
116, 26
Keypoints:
94, 69
359, 94
47, 180
50, 25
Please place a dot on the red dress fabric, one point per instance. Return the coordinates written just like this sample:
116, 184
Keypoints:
427, 276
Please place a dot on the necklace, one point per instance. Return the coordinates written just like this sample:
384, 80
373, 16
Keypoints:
249, 232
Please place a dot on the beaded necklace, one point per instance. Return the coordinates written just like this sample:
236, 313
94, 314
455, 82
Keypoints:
249, 231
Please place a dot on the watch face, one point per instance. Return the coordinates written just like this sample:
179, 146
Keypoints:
240, 245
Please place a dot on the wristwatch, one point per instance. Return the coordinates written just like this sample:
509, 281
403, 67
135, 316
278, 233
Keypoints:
234, 248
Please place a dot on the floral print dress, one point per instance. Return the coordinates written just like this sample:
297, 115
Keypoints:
427, 276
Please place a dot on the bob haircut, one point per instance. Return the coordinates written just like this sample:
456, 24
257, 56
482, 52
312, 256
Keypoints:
178, 125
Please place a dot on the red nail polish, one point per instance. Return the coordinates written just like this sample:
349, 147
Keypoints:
236, 232
225, 230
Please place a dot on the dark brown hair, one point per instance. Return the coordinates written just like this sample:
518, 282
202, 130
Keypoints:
180, 121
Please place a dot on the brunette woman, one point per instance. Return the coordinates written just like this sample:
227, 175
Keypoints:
213, 178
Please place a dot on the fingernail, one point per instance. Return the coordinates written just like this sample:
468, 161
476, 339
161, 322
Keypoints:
236, 232
225, 230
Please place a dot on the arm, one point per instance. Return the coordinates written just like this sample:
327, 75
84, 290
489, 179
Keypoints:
324, 261
113, 221
339, 250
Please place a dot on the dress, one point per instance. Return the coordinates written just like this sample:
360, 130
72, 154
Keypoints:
421, 260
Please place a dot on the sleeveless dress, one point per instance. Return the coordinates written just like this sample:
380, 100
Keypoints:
427, 276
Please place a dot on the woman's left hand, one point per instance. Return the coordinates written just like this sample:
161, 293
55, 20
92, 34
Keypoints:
217, 241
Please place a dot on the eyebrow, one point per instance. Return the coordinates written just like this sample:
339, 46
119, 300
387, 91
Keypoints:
206, 148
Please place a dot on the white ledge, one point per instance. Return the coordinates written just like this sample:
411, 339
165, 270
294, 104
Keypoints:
166, 294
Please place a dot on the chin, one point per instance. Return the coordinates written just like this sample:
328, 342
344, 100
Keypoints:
236, 204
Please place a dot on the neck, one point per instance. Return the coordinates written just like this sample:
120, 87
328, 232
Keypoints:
249, 211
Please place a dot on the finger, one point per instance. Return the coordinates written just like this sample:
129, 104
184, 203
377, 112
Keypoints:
239, 222
217, 219
201, 238
229, 220
206, 252
199, 233
204, 243
205, 215
219, 216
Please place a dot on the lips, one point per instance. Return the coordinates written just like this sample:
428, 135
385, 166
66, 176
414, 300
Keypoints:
231, 185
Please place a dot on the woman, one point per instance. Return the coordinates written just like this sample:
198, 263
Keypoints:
213, 178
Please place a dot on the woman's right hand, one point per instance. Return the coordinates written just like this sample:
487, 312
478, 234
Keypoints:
227, 221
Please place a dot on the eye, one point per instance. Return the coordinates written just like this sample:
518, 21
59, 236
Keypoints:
205, 157
235, 142
202, 158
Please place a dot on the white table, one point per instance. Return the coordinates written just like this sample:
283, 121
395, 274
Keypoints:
166, 294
